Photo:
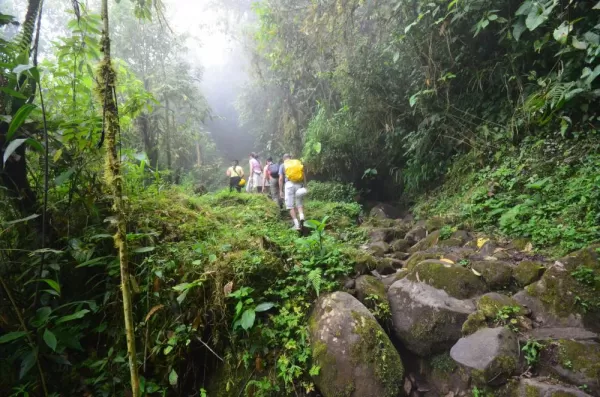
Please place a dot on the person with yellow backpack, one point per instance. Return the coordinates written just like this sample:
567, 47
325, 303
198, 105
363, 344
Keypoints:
236, 176
292, 179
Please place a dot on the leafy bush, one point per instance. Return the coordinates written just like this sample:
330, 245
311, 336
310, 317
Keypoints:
332, 191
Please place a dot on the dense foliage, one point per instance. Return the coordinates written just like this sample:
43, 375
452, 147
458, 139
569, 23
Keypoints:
402, 87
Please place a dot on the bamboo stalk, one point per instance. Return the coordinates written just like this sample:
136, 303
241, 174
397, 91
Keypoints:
106, 91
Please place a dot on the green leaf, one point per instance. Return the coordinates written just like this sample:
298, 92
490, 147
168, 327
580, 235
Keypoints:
13, 93
580, 45
53, 284
50, 339
396, 56
212, 258
15, 144
21, 68
538, 15
518, 29
561, 33
317, 147
167, 350
182, 296
18, 120
28, 218
28, 362
182, 286
173, 378
144, 249
12, 336
62, 178
74, 316
263, 307
248, 319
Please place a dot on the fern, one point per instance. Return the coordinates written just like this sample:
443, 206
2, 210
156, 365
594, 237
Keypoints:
315, 279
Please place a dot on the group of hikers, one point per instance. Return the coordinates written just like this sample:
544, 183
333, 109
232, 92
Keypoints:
286, 180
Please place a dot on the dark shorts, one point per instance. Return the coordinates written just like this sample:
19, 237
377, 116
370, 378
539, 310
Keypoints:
234, 183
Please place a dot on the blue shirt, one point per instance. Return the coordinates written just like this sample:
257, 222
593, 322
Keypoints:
282, 172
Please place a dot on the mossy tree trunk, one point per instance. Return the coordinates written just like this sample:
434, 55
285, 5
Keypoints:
106, 93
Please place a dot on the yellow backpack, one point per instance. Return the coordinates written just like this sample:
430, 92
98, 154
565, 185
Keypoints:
294, 170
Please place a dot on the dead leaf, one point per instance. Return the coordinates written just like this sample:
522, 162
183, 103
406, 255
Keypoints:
528, 247
475, 272
446, 260
228, 288
152, 311
156, 286
134, 285
481, 241
490, 258
417, 276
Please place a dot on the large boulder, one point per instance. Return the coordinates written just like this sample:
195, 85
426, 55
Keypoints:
527, 272
369, 286
425, 243
456, 280
427, 320
385, 211
416, 234
575, 362
400, 245
490, 355
355, 356
547, 388
386, 234
379, 248
419, 257
489, 306
496, 274
566, 296
364, 263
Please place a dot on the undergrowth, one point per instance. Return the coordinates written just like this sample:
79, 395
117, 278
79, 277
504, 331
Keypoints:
216, 277
545, 190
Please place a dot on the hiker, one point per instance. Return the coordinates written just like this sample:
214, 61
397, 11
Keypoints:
235, 174
271, 176
291, 181
255, 177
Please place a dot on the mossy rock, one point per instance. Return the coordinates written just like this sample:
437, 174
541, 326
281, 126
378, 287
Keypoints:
457, 281
426, 243
564, 296
355, 356
546, 388
228, 379
435, 223
520, 243
364, 263
442, 372
379, 248
527, 272
419, 257
575, 362
369, 285
400, 245
588, 257
450, 243
490, 355
488, 306
426, 319
496, 274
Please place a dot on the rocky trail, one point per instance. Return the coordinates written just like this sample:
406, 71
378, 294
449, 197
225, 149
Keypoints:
438, 311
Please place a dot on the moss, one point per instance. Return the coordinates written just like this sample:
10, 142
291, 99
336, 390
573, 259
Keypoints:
502, 367
375, 350
475, 321
527, 272
419, 257
326, 361
584, 357
532, 391
564, 295
490, 306
372, 286
426, 243
435, 223
562, 394
457, 281
443, 363
451, 242
520, 243
364, 263
495, 273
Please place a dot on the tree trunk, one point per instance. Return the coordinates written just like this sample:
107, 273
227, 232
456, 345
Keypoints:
167, 137
114, 179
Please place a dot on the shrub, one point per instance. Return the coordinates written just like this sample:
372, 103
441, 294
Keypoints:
332, 191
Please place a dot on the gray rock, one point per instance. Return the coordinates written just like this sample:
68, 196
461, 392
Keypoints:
543, 315
379, 248
369, 285
400, 245
547, 388
556, 333
385, 211
386, 234
349, 284
354, 353
385, 266
487, 249
575, 362
416, 234
496, 274
399, 255
427, 320
491, 355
